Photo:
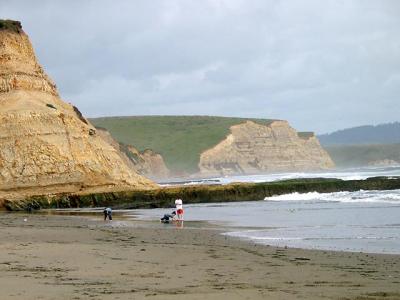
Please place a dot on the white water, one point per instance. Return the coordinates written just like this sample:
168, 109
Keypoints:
366, 221
346, 174
363, 221
345, 197
349, 174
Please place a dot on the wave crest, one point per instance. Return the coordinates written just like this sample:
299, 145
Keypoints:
349, 197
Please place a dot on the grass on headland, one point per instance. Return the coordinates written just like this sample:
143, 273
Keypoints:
11, 25
179, 139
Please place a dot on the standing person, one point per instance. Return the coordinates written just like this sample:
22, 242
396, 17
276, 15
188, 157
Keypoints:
107, 213
179, 209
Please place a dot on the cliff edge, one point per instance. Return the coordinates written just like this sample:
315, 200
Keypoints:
47, 146
253, 148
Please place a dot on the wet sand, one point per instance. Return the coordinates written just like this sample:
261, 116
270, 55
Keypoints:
69, 257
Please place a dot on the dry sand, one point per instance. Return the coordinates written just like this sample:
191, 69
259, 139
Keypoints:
69, 257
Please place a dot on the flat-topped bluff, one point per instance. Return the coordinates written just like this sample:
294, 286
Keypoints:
253, 148
47, 146
179, 139
182, 140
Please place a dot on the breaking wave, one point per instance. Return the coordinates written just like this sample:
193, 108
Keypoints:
348, 174
346, 197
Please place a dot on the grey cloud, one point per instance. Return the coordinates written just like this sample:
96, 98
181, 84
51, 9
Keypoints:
322, 65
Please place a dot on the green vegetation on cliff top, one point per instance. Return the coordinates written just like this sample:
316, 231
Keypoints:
11, 25
179, 139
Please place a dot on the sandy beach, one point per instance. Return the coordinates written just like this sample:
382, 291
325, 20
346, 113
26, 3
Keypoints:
70, 257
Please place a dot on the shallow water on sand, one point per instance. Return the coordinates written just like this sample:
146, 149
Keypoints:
364, 221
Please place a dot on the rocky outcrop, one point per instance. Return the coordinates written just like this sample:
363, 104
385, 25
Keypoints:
46, 145
163, 197
147, 163
253, 148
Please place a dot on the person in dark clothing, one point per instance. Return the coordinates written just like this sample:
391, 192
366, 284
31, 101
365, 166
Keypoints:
107, 213
167, 217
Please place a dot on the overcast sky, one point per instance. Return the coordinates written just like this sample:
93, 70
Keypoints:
321, 65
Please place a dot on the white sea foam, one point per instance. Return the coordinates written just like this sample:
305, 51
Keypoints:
348, 174
346, 197
366, 221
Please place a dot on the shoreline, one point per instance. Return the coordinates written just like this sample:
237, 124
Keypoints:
235, 231
223, 227
70, 257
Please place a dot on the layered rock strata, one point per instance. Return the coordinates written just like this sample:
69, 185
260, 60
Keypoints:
46, 145
147, 163
253, 148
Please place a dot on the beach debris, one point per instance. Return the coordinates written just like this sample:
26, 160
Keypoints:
301, 258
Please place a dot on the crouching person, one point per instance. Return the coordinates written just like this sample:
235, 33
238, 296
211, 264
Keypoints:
168, 217
107, 213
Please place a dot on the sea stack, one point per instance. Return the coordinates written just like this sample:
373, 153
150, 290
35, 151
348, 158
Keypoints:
47, 146
253, 148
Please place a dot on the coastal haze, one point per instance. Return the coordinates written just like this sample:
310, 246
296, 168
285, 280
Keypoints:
274, 122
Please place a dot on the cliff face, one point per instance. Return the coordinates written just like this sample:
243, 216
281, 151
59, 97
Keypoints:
46, 144
19, 69
252, 148
106, 136
147, 163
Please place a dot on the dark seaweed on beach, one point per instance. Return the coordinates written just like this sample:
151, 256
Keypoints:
164, 197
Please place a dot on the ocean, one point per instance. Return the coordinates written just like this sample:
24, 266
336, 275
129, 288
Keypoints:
345, 174
363, 221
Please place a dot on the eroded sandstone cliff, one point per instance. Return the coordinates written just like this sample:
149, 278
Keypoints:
147, 163
253, 148
47, 146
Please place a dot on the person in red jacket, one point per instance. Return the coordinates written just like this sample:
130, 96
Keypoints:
179, 208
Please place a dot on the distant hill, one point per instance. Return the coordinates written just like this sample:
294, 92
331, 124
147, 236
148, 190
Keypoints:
179, 139
380, 134
364, 155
